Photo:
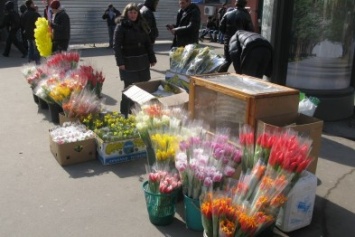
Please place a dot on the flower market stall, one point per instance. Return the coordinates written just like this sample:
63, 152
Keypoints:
233, 179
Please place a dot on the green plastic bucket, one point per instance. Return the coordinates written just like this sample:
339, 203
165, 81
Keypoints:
192, 214
161, 207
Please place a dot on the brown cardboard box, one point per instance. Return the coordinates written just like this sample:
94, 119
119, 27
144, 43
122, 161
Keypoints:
229, 100
73, 153
303, 124
142, 93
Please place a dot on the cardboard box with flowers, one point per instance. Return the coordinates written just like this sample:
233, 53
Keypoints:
116, 137
72, 143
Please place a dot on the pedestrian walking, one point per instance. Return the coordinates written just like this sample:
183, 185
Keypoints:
147, 10
30, 18
187, 26
110, 15
23, 9
251, 54
60, 27
12, 23
232, 21
133, 51
221, 13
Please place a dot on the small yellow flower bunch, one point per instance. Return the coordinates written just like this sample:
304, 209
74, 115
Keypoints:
165, 146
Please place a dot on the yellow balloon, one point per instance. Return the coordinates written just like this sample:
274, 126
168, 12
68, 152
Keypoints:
43, 37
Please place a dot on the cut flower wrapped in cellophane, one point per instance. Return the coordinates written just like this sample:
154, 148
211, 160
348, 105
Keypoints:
81, 104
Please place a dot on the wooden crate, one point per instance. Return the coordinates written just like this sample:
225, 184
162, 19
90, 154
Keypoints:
229, 99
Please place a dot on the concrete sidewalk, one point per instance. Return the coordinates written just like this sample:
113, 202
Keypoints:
41, 198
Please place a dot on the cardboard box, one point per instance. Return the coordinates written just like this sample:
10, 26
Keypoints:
305, 126
73, 153
141, 93
180, 80
230, 99
63, 119
120, 151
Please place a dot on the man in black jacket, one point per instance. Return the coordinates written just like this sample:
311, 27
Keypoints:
187, 26
61, 28
12, 22
147, 10
29, 23
251, 54
110, 15
232, 21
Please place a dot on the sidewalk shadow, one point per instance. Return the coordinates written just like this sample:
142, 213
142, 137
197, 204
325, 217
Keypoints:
108, 100
337, 152
96, 168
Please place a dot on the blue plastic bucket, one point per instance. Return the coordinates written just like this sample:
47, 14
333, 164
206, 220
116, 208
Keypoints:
192, 214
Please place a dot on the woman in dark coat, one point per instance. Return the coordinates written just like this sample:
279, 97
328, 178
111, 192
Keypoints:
133, 50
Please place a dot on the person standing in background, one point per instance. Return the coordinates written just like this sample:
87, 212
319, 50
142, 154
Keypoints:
110, 15
133, 51
30, 18
221, 13
187, 26
147, 10
12, 22
232, 21
60, 28
47, 12
23, 9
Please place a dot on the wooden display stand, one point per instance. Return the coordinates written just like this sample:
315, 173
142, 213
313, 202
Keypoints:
229, 99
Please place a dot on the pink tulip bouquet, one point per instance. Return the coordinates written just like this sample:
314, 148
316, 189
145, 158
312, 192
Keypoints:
205, 162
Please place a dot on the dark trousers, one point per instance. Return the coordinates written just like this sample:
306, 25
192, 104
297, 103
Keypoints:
126, 103
257, 62
12, 39
111, 30
60, 45
33, 54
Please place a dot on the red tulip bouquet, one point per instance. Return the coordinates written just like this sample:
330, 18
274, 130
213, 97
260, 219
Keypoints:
64, 61
94, 78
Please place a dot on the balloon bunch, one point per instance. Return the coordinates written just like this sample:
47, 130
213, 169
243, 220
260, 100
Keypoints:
43, 37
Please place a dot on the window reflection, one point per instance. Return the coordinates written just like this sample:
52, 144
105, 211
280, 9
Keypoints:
322, 44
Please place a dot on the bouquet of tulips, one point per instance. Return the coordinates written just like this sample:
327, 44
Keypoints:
62, 90
34, 74
161, 193
81, 104
94, 78
64, 61
155, 116
206, 161
45, 86
270, 169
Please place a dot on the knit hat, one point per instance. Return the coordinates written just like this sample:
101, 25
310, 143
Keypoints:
9, 5
55, 4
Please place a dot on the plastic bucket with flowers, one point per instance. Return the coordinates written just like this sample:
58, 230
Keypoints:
161, 206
